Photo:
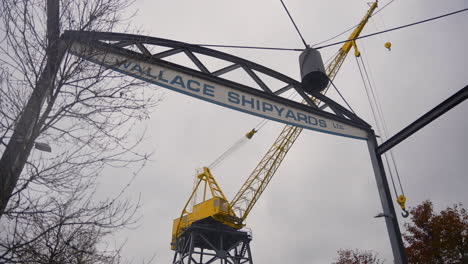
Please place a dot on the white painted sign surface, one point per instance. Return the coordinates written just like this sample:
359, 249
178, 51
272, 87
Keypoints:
216, 93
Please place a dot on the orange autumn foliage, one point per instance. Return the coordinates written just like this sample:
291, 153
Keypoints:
434, 238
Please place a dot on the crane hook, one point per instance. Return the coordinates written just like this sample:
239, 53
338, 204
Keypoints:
405, 213
401, 201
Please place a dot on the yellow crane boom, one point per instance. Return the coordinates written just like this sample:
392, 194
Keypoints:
214, 205
251, 190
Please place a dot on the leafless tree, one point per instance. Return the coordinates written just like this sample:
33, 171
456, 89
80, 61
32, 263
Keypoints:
70, 232
87, 120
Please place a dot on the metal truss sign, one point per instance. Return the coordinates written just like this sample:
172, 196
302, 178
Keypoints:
221, 93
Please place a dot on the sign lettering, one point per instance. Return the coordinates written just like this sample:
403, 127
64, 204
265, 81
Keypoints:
215, 93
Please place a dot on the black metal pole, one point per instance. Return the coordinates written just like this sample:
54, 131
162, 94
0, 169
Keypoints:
26, 129
391, 219
430, 116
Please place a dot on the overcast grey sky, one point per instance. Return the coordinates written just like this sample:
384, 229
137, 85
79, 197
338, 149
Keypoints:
324, 195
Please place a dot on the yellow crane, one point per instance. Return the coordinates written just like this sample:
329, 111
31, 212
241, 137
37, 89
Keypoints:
258, 180
214, 207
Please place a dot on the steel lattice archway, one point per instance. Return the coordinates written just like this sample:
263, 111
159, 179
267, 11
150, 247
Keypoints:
140, 46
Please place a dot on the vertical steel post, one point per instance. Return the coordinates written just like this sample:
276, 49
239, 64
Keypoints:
26, 129
190, 258
391, 219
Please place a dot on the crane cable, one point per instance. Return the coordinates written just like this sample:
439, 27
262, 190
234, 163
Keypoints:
295, 26
365, 83
382, 127
393, 29
262, 123
339, 93
384, 123
245, 138
353, 27
259, 126
328, 45
232, 149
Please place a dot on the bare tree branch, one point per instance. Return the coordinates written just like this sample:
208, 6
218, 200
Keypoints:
52, 215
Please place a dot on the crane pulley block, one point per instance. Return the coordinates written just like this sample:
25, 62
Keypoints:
401, 200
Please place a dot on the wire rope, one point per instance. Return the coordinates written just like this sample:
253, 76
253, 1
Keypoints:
334, 37
247, 47
351, 28
294, 23
383, 123
332, 44
377, 116
228, 152
376, 120
261, 125
339, 93
332, 57
393, 29
397, 172
376, 27
380, 16
264, 121
382, 8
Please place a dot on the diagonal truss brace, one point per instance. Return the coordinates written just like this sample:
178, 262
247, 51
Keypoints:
117, 51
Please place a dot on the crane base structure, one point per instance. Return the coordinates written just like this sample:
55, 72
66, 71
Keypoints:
209, 241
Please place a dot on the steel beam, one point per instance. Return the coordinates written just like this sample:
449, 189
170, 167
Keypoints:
427, 118
208, 242
113, 39
391, 219
151, 69
30, 121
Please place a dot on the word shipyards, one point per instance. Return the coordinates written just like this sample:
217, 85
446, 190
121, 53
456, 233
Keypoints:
216, 90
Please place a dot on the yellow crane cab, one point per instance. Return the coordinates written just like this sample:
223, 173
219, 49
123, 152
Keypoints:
209, 210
